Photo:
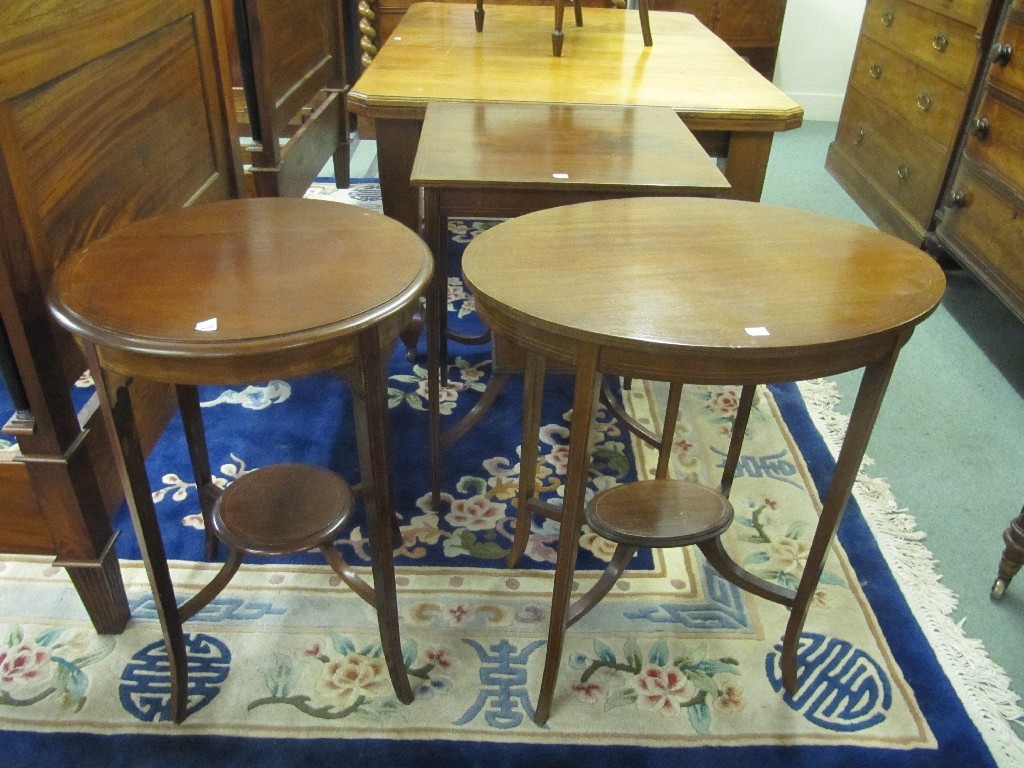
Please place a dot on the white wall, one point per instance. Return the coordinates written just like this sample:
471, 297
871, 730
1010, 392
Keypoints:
815, 53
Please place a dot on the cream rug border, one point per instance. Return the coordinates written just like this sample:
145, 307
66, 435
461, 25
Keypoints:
982, 685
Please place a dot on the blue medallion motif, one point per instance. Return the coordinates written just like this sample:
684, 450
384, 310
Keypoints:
841, 687
146, 681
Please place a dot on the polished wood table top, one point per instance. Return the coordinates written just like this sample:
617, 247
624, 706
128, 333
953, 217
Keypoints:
225, 292
436, 55
230, 293
701, 291
563, 148
738, 290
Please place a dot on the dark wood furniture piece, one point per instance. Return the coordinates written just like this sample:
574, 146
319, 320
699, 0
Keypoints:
1013, 556
263, 287
558, 36
751, 27
731, 110
908, 108
288, 67
504, 160
744, 294
133, 117
982, 223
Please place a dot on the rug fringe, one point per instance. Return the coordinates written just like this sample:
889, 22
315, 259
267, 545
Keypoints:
982, 685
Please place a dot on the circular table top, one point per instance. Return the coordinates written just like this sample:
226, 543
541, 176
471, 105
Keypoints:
240, 277
689, 275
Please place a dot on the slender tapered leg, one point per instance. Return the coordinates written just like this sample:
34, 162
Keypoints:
645, 22
116, 407
373, 436
533, 396
584, 408
195, 438
558, 36
862, 420
437, 358
739, 429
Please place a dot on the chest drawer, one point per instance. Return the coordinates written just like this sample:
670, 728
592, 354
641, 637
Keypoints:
945, 46
1007, 70
996, 136
877, 141
987, 228
933, 107
971, 12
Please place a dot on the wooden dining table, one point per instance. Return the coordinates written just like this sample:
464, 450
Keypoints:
436, 54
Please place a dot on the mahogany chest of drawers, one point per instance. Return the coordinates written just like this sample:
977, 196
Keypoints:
911, 84
982, 221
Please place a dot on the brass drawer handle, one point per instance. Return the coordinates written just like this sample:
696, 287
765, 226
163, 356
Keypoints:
875, 71
859, 138
888, 17
940, 43
924, 102
1001, 54
903, 171
982, 126
957, 199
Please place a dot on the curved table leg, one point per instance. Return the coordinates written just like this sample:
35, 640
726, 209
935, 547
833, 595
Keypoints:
373, 438
533, 392
116, 408
1013, 556
584, 409
862, 420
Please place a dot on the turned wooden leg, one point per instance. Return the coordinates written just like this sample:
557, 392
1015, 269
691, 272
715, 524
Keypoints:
478, 15
1013, 556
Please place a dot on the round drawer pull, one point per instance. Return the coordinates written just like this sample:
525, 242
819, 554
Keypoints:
924, 102
957, 199
888, 17
940, 43
875, 71
982, 126
1001, 54
903, 171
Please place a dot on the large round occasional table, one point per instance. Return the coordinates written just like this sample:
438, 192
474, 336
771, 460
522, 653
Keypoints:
231, 293
700, 291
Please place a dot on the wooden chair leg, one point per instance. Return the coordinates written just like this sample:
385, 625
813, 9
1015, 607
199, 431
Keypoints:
557, 36
645, 22
478, 15
577, 9
1013, 556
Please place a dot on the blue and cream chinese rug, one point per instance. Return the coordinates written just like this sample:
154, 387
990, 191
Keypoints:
675, 667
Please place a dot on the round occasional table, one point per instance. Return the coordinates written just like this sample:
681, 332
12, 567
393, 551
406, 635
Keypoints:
705, 292
235, 292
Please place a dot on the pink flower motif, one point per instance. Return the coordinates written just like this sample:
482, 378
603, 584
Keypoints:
788, 555
448, 391
25, 670
343, 682
601, 547
439, 658
729, 698
459, 613
770, 503
724, 402
475, 513
314, 650
589, 692
662, 689
558, 457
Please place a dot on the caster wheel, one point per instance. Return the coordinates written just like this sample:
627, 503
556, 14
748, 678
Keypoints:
999, 588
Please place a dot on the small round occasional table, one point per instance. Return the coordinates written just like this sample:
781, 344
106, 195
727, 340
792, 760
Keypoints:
235, 292
705, 292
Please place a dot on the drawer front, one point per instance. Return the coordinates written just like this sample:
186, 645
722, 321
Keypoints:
932, 107
1007, 71
945, 46
972, 12
887, 151
990, 228
996, 136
